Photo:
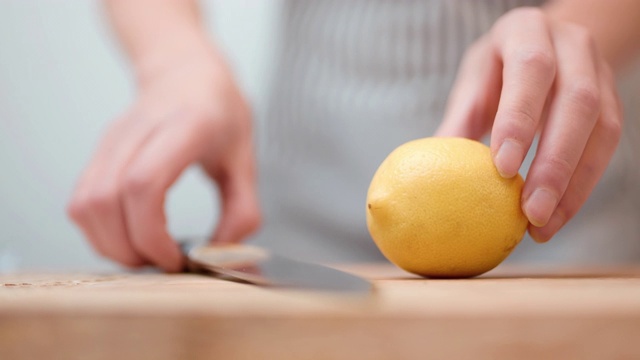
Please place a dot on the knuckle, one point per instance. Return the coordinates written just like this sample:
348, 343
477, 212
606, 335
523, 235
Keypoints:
102, 201
581, 35
99, 202
611, 129
77, 209
541, 59
137, 183
522, 121
253, 220
586, 94
587, 40
559, 170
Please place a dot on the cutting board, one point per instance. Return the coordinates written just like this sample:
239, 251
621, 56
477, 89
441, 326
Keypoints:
509, 313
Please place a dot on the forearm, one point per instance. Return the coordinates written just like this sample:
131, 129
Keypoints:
155, 32
614, 25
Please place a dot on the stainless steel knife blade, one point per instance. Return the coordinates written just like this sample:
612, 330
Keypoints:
258, 266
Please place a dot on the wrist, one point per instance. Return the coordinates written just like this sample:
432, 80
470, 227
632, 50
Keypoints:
172, 51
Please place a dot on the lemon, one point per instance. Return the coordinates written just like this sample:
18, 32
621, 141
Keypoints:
438, 207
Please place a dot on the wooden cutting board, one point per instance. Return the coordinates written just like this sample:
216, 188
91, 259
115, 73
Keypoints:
508, 313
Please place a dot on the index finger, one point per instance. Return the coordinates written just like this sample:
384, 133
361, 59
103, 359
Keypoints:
529, 69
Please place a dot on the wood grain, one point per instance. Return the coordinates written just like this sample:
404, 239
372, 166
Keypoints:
510, 313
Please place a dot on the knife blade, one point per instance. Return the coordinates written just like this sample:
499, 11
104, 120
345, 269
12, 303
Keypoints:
258, 266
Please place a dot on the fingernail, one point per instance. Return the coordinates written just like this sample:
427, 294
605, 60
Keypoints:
544, 234
508, 158
540, 206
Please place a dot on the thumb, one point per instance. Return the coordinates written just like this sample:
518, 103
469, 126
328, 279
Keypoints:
240, 210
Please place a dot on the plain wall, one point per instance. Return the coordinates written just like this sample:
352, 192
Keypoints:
62, 80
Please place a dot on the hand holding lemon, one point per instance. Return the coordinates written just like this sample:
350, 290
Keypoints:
438, 207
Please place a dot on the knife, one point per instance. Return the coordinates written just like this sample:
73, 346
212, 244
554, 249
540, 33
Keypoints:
256, 265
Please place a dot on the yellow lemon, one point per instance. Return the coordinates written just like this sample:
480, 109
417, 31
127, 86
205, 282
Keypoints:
438, 207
